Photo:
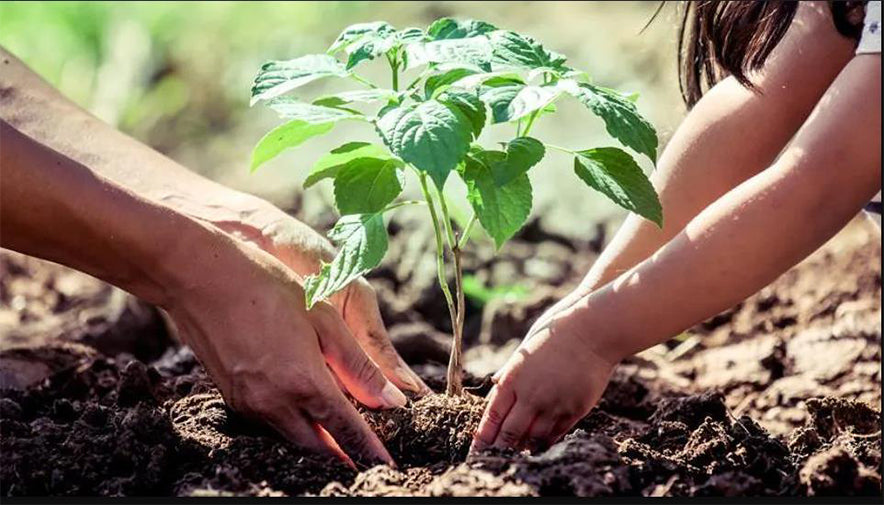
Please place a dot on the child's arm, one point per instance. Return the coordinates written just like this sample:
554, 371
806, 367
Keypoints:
734, 247
730, 135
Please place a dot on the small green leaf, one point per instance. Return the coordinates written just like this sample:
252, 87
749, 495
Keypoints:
282, 137
290, 108
410, 35
362, 243
437, 83
512, 101
502, 210
358, 31
621, 117
615, 174
448, 28
522, 153
469, 104
431, 136
473, 51
514, 50
278, 77
366, 185
329, 165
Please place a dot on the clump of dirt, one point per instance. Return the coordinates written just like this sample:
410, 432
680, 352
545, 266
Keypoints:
434, 429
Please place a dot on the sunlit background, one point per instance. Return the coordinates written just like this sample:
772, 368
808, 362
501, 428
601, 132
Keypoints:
176, 75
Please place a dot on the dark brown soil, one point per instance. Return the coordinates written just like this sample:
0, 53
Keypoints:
778, 396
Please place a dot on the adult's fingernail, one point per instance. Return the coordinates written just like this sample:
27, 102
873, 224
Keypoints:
392, 397
410, 383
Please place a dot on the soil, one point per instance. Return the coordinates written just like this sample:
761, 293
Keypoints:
780, 395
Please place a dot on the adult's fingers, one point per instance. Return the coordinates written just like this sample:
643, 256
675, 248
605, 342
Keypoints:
363, 317
500, 402
515, 426
292, 425
341, 420
362, 378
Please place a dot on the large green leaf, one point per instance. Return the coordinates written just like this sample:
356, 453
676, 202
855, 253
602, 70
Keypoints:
290, 108
615, 174
431, 136
448, 28
290, 134
469, 104
360, 95
502, 210
366, 185
512, 101
278, 77
513, 50
329, 165
621, 117
362, 243
522, 153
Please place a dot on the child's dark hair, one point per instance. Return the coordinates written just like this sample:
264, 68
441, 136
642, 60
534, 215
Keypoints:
721, 38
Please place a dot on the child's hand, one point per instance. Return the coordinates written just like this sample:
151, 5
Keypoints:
552, 380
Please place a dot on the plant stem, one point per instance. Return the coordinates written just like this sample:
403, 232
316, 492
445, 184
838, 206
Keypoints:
531, 119
468, 229
356, 77
562, 149
454, 388
402, 204
455, 365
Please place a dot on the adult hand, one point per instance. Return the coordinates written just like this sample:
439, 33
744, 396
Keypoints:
300, 248
243, 312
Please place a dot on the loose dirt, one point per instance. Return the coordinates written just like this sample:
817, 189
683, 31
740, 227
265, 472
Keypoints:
780, 395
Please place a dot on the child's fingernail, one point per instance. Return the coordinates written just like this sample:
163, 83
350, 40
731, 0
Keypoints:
392, 397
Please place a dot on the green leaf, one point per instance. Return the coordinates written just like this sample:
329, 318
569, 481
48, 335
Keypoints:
448, 28
329, 165
502, 210
512, 101
473, 51
410, 35
522, 153
615, 174
360, 95
282, 137
290, 108
437, 83
621, 117
362, 243
513, 50
469, 104
431, 136
358, 31
366, 185
278, 77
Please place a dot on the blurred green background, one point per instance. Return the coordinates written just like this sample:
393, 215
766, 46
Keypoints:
176, 75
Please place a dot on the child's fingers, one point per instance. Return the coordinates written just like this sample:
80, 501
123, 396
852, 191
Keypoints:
499, 404
539, 435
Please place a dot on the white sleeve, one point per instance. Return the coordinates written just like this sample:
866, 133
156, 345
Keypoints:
871, 37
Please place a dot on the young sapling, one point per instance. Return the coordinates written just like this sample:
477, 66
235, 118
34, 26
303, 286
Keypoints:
464, 77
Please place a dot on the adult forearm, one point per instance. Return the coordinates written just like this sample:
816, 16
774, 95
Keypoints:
39, 112
58, 209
